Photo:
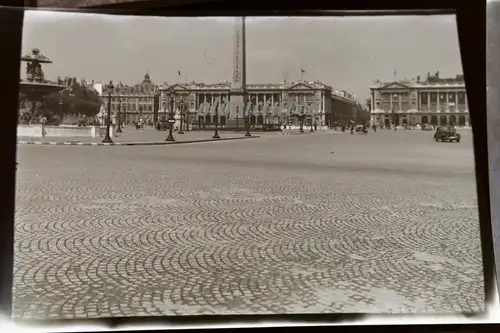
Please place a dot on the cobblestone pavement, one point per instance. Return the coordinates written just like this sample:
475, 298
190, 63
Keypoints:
384, 222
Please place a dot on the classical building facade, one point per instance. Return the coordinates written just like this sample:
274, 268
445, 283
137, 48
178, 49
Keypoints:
333, 105
136, 101
435, 100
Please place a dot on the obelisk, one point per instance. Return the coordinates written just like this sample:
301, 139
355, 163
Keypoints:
238, 86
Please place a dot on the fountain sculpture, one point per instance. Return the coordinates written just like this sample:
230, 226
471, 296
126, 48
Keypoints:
35, 87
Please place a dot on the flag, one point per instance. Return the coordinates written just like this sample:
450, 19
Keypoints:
302, 70
179, 73
394, 72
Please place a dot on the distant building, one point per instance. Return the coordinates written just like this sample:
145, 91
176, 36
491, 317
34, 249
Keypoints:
136, 101
435, 100
334, 105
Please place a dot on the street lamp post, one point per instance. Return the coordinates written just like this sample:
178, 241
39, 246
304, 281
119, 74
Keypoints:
311, 114
246, 118
61, 115
216, 133
200, 117
301, 120
165, 109
107, 138
237, 119
181, 114
119, 129
171, 121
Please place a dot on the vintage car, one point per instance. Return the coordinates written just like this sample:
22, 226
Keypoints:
361, 129
446, 134
427, 127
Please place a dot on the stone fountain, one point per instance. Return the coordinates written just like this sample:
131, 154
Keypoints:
35, 87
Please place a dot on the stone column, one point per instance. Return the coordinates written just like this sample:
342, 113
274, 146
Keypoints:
428, 101
456, 101
399, 101
390, 101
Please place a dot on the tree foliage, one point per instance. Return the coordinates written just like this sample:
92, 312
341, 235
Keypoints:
78, 100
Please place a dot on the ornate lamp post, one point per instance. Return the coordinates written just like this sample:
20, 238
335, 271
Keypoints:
216, 122
171, 121
301, 120
119, 129
237, 118
311, 114
158, 120
107, 138
200, 115
61, 115
246, 117
181, 115
125, 112
187, 120
165, 110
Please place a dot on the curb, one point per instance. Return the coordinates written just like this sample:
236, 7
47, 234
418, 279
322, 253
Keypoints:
152, 143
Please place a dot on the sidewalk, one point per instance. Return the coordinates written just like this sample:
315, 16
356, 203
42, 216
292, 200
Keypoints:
132, 137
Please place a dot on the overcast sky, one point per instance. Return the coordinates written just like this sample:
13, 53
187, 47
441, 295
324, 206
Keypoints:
348, 53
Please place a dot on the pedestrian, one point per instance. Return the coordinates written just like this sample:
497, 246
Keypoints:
43, 121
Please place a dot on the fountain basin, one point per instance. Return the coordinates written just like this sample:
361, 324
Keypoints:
40, 131
38, 88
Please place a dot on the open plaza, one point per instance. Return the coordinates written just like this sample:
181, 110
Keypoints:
310, 223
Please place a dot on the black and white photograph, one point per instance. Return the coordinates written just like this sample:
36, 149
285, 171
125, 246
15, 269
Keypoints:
243, 165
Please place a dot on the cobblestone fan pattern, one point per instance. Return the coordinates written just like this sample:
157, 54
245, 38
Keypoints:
316, 224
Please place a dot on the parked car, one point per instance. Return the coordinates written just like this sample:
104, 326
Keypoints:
446, 134
427, 127
361, 129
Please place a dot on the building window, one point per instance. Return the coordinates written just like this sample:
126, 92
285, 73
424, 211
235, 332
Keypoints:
461, 98
223, 120
442, 98
277, 98
433, 97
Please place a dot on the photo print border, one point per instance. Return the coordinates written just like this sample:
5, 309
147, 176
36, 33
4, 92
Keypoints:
470, 23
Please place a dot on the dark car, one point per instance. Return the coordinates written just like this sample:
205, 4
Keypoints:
427, 127
446, 134
361, 129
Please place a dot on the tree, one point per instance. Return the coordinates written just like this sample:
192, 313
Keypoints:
76, 100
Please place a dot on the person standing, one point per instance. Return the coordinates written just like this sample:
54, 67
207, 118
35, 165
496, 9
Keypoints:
43, 121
